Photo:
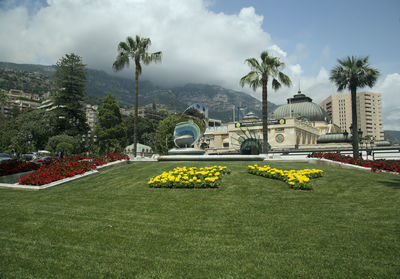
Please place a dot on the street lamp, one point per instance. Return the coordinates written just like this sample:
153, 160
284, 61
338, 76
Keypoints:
360, 133
345, 134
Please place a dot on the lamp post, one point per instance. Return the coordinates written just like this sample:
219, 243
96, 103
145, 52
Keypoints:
368, 141
360, 133
345, 134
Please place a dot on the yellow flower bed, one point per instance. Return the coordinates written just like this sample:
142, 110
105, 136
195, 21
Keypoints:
297, 179
183, 177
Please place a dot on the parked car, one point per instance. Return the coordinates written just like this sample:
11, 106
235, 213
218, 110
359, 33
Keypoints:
48, 159
4, 157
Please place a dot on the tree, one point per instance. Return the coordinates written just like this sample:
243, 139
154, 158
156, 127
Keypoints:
261, 72
3, 100
137, 51
37, 126
165, 133
146, 130
55, 141
70, 80
8, 132
110, 130
353, 73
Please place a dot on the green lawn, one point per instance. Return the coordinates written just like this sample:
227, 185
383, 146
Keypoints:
112, 225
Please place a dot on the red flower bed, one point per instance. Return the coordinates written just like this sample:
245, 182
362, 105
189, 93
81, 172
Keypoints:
16, 166
387, 165
67, 167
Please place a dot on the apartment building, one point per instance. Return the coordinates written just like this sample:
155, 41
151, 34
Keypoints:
369, 109
92, 116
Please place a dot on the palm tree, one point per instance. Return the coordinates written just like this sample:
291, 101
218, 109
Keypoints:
261, 72
137, 51
353, 73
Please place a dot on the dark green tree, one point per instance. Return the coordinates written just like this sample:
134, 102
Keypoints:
353, 73
8, 132
38, 126
146, 130
135, 50
70, 80
165, 133
55, 141
3, 100
269, 68
110, 130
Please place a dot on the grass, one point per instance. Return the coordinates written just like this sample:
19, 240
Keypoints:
112, 225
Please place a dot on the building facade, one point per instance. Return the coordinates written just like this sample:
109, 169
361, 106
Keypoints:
296, 125
369, 112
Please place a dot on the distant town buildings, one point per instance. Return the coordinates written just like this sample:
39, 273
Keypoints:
92, 116
369, 109
18, 99
299, 124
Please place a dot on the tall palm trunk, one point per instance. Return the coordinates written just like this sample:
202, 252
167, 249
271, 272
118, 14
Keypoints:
135, 119
265, 115
354, 124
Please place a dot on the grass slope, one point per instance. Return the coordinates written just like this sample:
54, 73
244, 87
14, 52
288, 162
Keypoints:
113, 225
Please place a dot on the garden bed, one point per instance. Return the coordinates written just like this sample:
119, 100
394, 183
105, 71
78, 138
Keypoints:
390, 166
68, 169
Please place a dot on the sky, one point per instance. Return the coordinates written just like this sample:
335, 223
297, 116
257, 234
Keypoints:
207, 41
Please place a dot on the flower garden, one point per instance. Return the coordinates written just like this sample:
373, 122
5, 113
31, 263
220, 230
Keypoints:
297, 179
16, 166
192, 177
67, 167
375, 165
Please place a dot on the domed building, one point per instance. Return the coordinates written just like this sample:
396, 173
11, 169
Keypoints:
295, 125
301, 106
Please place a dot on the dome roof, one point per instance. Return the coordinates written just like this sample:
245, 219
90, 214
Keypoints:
251, 116
301, 106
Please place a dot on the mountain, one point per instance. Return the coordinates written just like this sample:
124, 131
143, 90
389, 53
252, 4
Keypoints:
39, 79
392, 136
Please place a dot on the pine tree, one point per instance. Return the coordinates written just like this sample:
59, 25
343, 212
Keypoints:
70, 80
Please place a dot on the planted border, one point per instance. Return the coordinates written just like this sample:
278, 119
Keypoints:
375, 165
192, 177
296, 179
67, 167
16, 166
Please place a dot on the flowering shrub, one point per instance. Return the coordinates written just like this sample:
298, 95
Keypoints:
297, 179
67, 167
387, 165
16, 166
183, 177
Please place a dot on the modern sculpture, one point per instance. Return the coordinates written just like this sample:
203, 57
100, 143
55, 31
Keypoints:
188, 133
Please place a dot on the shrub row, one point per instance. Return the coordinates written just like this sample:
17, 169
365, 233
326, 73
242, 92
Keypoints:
67, 167
375, 165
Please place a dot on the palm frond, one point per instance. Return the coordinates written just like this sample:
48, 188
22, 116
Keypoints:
284, 79
253, 63
121, 61
122, 46
252, 79
264, 55
132, 43
276, 84
156, 56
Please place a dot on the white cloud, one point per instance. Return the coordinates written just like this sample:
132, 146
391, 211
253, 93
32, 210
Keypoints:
198, 45
390, 89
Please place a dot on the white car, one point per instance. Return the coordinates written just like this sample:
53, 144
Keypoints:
4, 157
